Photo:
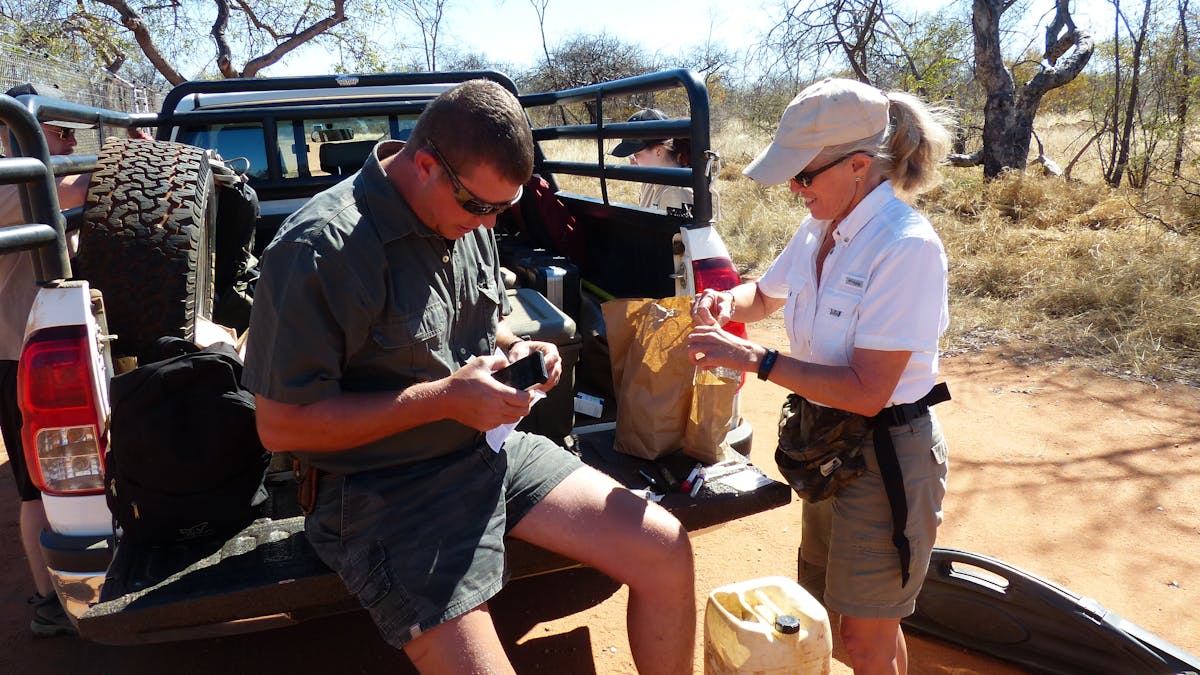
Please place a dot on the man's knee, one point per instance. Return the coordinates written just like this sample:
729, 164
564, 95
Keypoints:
664, 550
671, 536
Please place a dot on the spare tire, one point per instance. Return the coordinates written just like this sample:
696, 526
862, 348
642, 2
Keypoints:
148, 243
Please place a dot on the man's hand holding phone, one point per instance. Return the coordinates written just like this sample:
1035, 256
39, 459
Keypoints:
524, 373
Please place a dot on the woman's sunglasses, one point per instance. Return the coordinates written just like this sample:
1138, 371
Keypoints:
805, 178
466, 198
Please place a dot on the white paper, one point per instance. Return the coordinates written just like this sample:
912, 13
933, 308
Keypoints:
496, 437
744, 481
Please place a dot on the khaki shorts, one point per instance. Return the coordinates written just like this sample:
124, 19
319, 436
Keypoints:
851, 534
423, 543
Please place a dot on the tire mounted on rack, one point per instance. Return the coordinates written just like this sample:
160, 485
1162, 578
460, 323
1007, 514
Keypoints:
148, 243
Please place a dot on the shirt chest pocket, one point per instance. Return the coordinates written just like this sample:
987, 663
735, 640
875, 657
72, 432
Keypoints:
423, 329
837, 309
487, 293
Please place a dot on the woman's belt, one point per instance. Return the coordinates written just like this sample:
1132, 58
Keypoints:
889, 464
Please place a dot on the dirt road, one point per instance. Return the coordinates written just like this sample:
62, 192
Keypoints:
1090, 481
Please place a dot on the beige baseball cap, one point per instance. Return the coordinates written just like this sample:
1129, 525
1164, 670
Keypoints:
831, 112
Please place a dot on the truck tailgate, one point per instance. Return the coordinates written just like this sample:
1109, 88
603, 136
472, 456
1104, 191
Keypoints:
268, 576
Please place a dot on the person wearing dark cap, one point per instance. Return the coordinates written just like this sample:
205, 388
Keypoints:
60, 134
666, 152
17, 291
864, 292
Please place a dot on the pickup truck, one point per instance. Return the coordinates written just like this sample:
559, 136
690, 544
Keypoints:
166, 243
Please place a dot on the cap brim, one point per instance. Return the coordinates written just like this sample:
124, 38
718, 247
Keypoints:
627, 148
777, 164
70, 125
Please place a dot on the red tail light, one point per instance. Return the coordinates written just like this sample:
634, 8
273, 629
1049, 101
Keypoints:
719, 274
64, 443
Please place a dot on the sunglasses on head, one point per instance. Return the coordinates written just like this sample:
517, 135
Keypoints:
805, 178
466, 198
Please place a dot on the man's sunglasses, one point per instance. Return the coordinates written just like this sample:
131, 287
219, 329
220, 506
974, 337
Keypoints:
63, 133
805, 178
466, 198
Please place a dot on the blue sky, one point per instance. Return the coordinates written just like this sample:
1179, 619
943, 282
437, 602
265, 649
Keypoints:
507, 30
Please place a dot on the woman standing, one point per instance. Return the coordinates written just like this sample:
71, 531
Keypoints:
664, 152
863, 286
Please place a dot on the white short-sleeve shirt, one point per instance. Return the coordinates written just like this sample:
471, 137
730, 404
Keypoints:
883, 287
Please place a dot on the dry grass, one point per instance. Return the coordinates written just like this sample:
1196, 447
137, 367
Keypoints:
1071, 270
1061, 269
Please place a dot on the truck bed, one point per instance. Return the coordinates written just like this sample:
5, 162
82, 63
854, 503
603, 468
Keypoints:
269, 564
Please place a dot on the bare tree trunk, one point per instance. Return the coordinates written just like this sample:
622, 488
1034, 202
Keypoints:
224, 53
1185, 89
1008, 114
1001, 91
539, 6
1135, 73
427, 16
1114, 124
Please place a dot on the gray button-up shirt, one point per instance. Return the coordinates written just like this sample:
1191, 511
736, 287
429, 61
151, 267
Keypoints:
357, 294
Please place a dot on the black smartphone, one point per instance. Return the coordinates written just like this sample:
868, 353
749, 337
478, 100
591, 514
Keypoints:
525, 373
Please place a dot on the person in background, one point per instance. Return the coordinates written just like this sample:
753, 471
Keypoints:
665, 152
17, 291
863, 286
377, 323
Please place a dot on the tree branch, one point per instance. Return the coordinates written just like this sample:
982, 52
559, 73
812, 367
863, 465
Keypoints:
258, 63
1062, 23
224, 53
964, 160
1070, 67
134, 24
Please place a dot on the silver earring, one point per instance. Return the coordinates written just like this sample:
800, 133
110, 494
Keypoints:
858, 179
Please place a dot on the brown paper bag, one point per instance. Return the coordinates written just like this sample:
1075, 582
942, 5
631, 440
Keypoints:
659, 407
708, 418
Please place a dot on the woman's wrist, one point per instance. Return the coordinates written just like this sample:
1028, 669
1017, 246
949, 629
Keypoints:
732, 301
766, 362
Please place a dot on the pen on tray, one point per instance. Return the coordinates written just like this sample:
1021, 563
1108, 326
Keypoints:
687, 482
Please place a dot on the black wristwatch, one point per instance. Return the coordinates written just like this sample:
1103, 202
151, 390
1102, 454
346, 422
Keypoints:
767, 363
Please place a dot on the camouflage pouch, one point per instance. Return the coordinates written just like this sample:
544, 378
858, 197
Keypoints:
819, 448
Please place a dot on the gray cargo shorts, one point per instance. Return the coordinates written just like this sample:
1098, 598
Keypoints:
851, 534
423, 543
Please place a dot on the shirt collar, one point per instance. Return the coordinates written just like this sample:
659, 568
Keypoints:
864, 211
388, 209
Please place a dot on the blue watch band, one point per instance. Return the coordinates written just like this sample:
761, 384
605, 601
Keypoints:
767, 363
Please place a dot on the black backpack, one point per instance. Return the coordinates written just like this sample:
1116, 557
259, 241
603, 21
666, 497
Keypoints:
184, 461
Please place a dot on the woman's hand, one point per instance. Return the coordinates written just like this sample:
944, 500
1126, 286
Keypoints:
711, 347
712, 308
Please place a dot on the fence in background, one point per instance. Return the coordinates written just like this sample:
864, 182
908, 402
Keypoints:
87, 86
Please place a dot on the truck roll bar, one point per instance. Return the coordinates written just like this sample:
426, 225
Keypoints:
30, 169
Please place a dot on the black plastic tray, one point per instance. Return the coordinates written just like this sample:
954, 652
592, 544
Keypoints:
988, 606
